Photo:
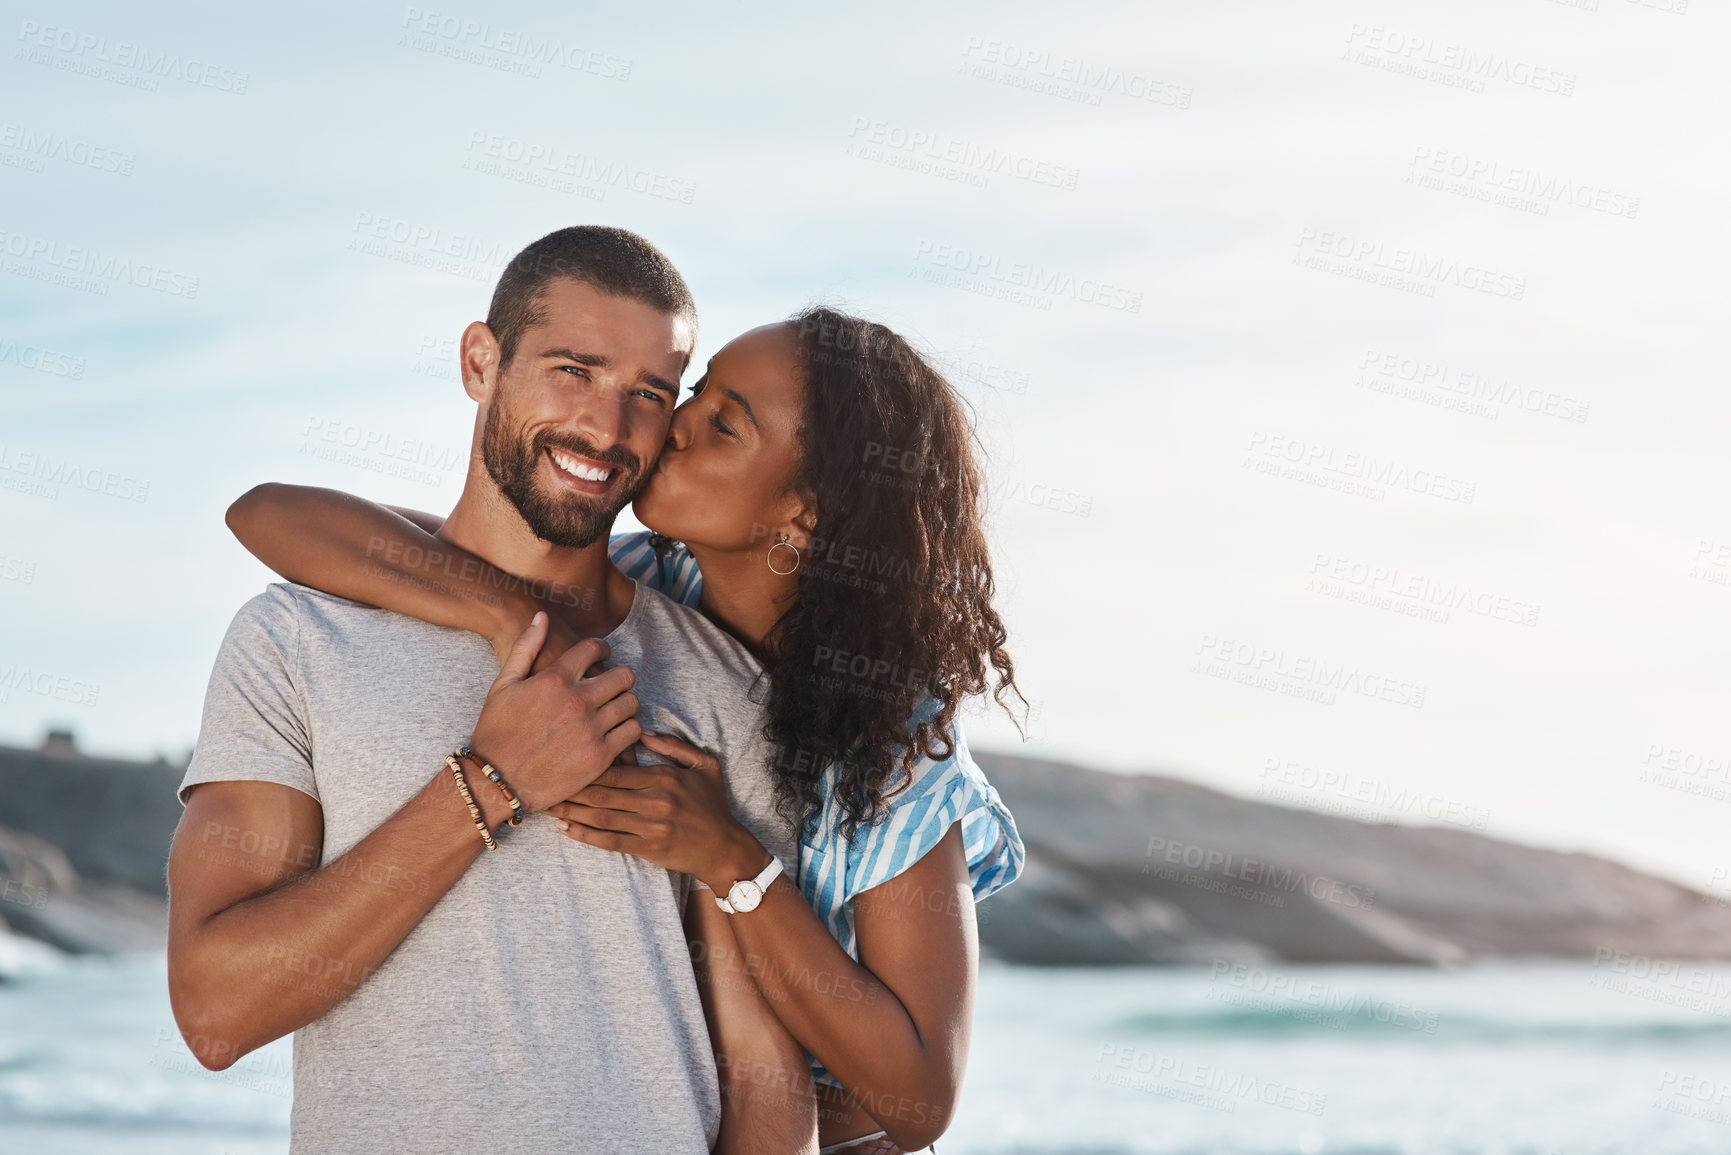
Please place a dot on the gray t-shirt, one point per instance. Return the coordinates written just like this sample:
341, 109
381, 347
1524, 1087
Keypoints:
547, 1002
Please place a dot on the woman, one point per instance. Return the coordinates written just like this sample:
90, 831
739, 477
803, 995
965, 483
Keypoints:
821, 487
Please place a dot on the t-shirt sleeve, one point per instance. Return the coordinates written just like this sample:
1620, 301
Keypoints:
673, 574
254, 727
942, 794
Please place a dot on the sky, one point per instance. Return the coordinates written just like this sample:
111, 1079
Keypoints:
1346, 376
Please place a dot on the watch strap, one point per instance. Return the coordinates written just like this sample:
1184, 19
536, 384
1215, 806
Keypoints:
764, 878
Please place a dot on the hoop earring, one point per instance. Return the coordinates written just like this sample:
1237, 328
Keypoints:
770, 559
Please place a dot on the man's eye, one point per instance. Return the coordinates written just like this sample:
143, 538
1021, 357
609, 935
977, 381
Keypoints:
574, 370
654, 395
719, 425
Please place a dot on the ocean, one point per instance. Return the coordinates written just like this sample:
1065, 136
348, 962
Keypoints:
1623, 1055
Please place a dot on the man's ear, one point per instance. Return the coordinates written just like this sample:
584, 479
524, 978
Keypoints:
479, 361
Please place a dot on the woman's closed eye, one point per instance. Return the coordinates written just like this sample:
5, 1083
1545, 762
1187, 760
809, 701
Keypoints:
720, 426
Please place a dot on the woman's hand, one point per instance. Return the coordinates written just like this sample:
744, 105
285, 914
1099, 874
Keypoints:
675, 816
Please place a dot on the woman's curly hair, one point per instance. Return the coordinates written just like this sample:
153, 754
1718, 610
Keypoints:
892, 628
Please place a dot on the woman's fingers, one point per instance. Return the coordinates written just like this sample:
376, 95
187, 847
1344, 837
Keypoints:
629, 776
573, 815
600, 839
608, 798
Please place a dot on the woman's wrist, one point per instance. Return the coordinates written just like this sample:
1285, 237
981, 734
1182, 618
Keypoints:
509, 613
744, 857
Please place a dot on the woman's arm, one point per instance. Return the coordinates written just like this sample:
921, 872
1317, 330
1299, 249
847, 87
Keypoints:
768, 1105
893, 1027
355, 549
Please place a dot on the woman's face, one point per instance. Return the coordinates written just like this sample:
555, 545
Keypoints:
724, 481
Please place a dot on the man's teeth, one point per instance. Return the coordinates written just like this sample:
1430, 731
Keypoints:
577, 469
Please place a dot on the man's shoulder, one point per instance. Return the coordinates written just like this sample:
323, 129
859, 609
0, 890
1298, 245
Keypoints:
666, 628
291, 615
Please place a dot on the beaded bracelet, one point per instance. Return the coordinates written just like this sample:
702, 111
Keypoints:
498, 780
469, 800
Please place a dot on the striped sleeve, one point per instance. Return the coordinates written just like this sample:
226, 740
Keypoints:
941, 795
673, 573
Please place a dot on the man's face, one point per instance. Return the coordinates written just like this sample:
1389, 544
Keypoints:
575, 421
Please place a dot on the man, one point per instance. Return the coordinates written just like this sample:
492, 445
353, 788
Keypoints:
446, 996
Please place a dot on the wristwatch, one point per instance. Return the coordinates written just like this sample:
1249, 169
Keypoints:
744, 895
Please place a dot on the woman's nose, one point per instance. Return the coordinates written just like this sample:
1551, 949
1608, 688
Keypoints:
679, 429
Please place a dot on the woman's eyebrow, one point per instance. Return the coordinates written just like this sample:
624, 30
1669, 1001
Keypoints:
742, 403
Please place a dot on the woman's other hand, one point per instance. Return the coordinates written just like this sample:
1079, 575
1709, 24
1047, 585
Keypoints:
676, 816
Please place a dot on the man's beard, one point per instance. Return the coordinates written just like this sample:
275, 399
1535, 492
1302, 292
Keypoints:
569, 520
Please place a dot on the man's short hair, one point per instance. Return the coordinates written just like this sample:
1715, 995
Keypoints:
615, 261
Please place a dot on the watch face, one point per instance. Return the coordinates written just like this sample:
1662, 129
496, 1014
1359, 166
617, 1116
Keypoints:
745, 896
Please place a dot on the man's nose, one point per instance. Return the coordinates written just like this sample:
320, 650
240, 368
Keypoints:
599, 417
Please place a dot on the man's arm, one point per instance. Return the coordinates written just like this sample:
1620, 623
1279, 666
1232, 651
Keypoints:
768, 1106
260, 945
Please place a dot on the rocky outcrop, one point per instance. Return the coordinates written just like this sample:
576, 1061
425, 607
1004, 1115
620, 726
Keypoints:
1122, 869
1147, 869
113, 818
42, 896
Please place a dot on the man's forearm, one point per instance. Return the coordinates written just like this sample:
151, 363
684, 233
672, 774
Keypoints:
269, 964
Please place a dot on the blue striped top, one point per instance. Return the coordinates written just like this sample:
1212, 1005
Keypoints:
833, 870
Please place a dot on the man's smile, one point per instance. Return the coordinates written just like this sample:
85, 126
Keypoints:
581, 473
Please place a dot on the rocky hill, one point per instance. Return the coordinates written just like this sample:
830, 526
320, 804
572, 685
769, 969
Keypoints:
1148, 869
1122, 869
